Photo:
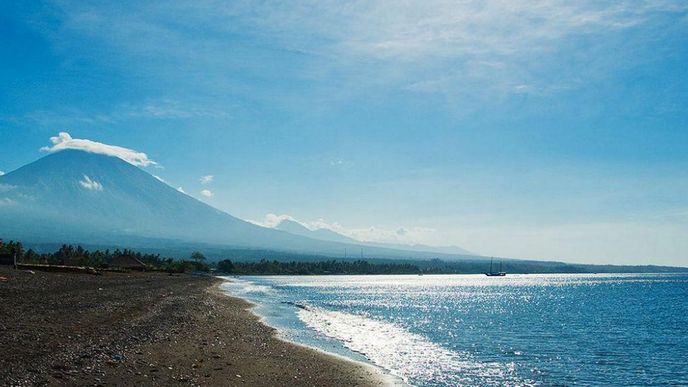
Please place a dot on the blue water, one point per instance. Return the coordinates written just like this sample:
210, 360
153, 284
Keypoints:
473, 330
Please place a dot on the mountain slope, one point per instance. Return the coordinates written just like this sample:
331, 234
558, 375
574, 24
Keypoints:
78, 197
85, 194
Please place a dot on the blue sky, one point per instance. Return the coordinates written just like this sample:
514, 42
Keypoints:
547, 130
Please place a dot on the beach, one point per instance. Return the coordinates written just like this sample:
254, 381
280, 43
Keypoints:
148, 329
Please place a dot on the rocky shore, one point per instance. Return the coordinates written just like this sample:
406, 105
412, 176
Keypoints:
148, 329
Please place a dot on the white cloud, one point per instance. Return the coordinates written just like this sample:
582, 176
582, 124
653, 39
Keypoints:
91, 184
2, 173
402, 235
457, 48
64, 141
207, 179
498, 44
414, 30
207, 193
272, 220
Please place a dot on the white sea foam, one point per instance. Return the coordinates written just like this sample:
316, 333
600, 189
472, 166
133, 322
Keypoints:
403, 353
243, 288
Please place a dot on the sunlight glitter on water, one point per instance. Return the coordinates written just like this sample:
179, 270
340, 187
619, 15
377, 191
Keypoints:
447, 330
404, 354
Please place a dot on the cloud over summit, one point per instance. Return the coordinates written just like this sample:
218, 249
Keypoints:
65, 141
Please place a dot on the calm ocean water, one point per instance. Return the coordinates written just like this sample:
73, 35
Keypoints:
623, 329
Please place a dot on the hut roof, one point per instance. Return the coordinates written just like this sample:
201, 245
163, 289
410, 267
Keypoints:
126, 262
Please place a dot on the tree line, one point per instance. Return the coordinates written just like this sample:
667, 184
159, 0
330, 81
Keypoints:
274, 267
71, 255
103, 259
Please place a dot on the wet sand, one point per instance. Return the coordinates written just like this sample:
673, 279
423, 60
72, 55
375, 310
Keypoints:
148, 329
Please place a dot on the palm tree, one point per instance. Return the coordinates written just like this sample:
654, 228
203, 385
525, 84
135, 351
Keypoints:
197, 256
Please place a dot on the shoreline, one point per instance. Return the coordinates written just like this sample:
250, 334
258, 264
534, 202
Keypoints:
150, 329
382, 375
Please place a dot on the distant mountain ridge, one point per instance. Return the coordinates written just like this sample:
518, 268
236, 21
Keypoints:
77, 197
296, 228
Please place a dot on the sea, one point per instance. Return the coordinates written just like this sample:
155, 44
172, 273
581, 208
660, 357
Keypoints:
474, 330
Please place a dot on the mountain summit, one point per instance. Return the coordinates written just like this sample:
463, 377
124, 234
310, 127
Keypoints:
73, 195
77, 197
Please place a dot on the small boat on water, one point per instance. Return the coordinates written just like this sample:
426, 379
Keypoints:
492, 273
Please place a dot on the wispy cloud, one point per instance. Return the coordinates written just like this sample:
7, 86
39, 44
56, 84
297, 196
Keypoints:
64, 141
207, 179
163, 109
2, 173
415, 31
7, 187
7, 202
207, 193
429, 46
90, 184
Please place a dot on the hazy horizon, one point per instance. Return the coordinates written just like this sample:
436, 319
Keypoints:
554, 132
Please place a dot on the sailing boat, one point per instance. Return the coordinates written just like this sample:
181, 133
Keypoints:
492, 273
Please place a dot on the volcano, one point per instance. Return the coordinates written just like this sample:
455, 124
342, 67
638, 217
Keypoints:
74, 196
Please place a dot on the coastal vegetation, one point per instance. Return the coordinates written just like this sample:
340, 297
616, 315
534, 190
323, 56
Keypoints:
263, 262
70, 255
264, 267
103, 259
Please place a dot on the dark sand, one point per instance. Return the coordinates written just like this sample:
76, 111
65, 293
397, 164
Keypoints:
148, 329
